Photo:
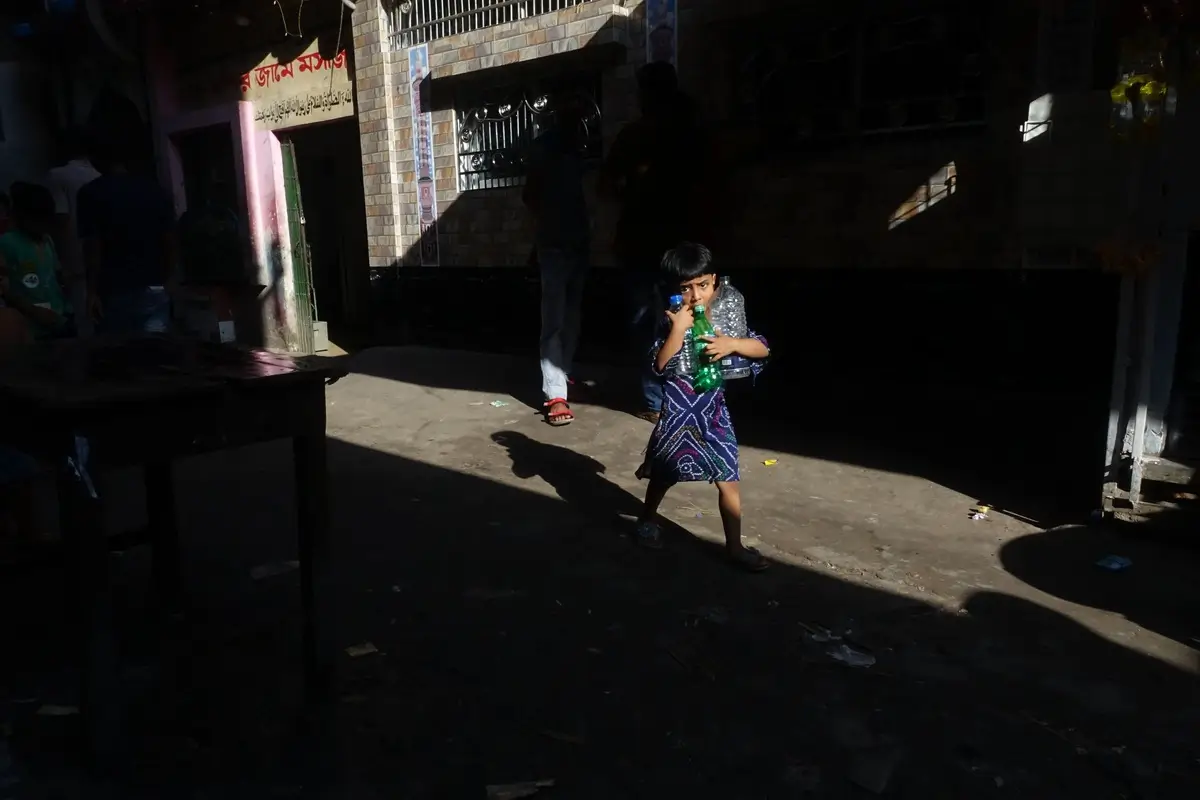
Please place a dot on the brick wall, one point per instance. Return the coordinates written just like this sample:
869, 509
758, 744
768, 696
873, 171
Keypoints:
478, 228
378, 96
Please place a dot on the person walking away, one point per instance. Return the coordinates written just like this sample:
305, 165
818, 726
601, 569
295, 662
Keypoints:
126, 225
29, 263
654, 172
554, 195
64, 182
694, 439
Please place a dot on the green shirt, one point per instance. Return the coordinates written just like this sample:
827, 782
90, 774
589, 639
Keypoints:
32, 270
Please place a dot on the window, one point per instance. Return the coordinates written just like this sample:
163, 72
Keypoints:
413, 22
919, 69
496, 125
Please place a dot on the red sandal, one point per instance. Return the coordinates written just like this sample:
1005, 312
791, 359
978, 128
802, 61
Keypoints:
559, 418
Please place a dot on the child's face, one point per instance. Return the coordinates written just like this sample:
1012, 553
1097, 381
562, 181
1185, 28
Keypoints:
34, 226
698, 290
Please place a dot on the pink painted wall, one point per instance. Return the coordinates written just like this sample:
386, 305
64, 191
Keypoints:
258, 168
268, 222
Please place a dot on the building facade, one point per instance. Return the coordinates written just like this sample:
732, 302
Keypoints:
911, 191
256, 130
461, 86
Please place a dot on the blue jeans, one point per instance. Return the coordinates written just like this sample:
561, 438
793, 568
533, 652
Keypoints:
133, 311
646, 305
564, 273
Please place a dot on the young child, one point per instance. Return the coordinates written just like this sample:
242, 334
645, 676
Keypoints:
29, 261
694, 438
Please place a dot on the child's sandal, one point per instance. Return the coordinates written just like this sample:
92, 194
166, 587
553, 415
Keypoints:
561, 417
649, 535
748, 559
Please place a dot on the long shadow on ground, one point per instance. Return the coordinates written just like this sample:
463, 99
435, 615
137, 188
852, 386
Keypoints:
524, 638
983, 443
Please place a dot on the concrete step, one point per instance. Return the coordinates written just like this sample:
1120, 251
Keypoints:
1164, 470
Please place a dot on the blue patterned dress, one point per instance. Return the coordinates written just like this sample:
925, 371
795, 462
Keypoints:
694, 438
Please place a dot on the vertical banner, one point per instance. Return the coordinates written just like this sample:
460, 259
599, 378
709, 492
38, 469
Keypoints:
422, 132
662, 38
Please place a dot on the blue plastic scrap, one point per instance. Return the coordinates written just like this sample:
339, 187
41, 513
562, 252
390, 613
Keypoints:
1114, 563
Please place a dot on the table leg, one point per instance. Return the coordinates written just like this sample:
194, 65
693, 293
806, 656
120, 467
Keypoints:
102, 706
312, 507
164, 532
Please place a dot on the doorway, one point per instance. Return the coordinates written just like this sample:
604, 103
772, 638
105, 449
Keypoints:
326, 203
211, 230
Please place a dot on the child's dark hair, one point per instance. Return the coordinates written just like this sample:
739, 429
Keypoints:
687, 260
31, 200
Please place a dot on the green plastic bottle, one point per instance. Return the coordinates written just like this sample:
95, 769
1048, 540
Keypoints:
708, 372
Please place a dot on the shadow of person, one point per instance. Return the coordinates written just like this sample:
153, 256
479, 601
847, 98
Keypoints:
579, 480
576, 478
1059, 675
1158, 591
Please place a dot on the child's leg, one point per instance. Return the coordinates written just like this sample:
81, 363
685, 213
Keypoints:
655, 493
729, 501
648, 532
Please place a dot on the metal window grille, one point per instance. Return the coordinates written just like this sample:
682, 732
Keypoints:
414, 22
902, 74
934, 190
495, 126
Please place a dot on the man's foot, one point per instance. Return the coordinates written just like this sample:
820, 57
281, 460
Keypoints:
558, 413
746, 558
649, 535
649, 415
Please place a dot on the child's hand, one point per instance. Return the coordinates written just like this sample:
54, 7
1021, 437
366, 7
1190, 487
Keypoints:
720, 346
45, 317
681, 320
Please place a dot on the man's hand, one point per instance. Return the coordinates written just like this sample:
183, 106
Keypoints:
721, 346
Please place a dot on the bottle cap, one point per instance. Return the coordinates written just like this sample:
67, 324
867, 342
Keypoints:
676, 300
698, 307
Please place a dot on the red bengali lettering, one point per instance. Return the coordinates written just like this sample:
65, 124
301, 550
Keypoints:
286, 70
262, 75
306, 62
339, 61
246, 82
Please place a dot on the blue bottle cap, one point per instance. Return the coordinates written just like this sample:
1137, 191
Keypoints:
676, 300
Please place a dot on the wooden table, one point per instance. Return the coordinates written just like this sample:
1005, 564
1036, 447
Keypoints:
90, 405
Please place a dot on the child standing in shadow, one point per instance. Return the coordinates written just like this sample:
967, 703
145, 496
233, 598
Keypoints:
29, 260
694, 438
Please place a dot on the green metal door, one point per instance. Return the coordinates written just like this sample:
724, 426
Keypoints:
305, 301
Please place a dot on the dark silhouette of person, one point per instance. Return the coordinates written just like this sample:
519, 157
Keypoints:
656, 171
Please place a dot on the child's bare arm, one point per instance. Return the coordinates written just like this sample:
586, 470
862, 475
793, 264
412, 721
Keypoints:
753, 349
671, 345
681, 321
